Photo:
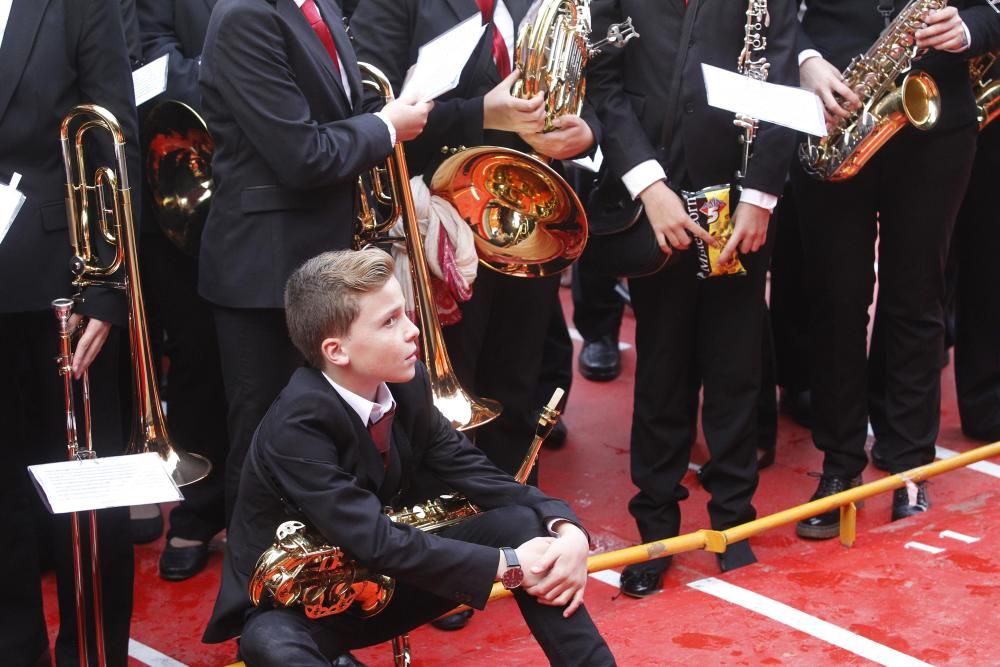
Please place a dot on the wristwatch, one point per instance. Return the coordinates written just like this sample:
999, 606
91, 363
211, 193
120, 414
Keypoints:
513, 575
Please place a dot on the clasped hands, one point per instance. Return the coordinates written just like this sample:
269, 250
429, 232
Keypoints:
555, 568
503, 111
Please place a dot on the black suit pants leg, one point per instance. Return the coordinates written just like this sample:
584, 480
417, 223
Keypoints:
257, 358
496, 350
597, 308
34, 414
287, 637
977, 345
789, 298
195, 394
691, 334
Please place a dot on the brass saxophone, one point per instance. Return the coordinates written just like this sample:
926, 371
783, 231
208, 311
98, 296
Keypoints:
300, 569
985, 87
553, 48
885, 107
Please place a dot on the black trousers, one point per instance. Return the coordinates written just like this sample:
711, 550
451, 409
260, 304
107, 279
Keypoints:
33, 414
195, 395
789, 298
912, 212
557, 358
597, 308
977, 320
258, 358
496, 350
696, 334
282, 637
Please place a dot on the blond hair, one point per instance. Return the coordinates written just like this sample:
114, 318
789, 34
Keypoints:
322, 296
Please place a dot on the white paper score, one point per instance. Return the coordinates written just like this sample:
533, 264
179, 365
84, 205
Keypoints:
11, 201
113, 481
788, 106
150, 80
440, 61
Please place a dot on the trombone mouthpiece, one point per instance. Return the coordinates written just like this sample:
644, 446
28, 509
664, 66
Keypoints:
62, 308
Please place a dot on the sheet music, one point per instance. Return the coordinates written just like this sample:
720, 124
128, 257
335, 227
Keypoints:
440, 61
788, 106
11, 201
113, 481
150, 80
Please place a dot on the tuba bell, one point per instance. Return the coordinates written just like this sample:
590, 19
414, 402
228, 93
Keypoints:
383, 199
178, 161
113, 221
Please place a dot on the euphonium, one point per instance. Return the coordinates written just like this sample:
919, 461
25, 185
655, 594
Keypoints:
985, 87
553, 49
178, 158
113, 221
299, 569
380, 204
885, 107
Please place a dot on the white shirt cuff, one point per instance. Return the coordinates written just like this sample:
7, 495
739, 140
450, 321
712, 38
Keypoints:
392, 131
641, 176
807, 54
968, 38
757, 198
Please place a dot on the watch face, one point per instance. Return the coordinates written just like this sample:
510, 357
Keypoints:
512, 577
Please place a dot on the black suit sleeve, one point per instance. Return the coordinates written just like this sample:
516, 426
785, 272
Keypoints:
774, 145
984, 30
383, 34
105, 79
159, 37
625, 143
253, 73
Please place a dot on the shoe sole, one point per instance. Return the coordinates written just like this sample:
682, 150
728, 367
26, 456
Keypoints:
601, 376
822, 532
639, 597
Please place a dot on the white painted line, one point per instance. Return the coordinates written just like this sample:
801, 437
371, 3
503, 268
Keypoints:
575, 335
694, 466
871, 433
803, 622
609, 577
952, 535
150, 656
919, 546
985, 467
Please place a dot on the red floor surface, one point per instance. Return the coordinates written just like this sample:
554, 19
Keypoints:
885, 598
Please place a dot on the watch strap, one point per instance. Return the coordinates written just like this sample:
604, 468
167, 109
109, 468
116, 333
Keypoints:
510, 556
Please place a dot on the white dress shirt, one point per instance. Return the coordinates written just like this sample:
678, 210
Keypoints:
368, 411
346, 83
505, 24
644, 174
4, 16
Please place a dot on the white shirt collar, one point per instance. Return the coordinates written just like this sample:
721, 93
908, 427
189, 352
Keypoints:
367, 410
5, 6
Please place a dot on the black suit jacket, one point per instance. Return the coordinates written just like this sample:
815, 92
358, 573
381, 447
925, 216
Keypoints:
630, 89
288, 147
388, 34
322, 459
56, 54
175, 28
843, 29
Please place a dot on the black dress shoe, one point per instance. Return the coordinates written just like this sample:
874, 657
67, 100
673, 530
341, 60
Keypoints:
797, 405
148, 530
736, 555
557, 438
455, 621
347, 660
180, 563
901, 507
600, 360
644, 579
878, 460
826, 525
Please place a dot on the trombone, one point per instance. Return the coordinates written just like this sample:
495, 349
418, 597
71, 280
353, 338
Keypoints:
104, 203
395, 200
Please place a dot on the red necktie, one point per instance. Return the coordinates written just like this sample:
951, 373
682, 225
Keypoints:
500, 55
381, 433
321, 30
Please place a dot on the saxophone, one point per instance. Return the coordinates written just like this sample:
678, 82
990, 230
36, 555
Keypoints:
299, 568
553, 49
985, 88
885, 107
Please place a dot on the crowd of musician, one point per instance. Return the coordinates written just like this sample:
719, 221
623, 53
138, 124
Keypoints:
772, 315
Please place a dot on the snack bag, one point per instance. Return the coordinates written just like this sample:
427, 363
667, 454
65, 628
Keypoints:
710, 208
